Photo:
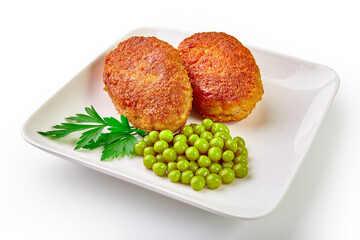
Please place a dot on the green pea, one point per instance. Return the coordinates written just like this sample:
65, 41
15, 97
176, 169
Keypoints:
139, 147
192, 153
202, 172
192, 139
240, 141
207, 124
202, 145
160, 146
186, 176
187, 131
226, 129
242, 151
240, 159
201, 154
197, 183
159, 168
174, 176
227, 175
159, 158
169, 155
153, 136
241, 170
192, 125
217, 127
231, 144
148, 161
198, 129
180, 137
204, 161
193, 166
183, 165
207, 135
147, 140
149, 151
217, 142
181, 157
166, 135
215, 168
171, 166
180, 147
222, 135
228, 156
215, 154
227, 164
213, 181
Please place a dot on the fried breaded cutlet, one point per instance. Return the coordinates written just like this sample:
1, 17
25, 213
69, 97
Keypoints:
224, 76
147, 82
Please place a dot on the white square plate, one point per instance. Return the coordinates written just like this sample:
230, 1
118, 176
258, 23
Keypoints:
277, 133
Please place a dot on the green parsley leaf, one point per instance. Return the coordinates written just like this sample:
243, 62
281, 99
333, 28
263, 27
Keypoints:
140, 132
117, 142
92, 116
90, 135
121, 147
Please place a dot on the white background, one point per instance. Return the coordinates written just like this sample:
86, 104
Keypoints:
44, 44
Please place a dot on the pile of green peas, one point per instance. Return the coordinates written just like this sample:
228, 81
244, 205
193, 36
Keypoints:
199, 155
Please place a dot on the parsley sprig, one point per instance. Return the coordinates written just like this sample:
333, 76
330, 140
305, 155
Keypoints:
118, 141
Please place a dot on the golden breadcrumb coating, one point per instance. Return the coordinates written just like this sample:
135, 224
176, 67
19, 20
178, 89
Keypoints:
224, 76
147, 82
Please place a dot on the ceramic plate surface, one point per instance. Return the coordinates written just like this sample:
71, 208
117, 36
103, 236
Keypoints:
278, 132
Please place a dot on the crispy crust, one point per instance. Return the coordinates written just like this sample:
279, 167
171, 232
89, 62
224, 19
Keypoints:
225, 78
147, 82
